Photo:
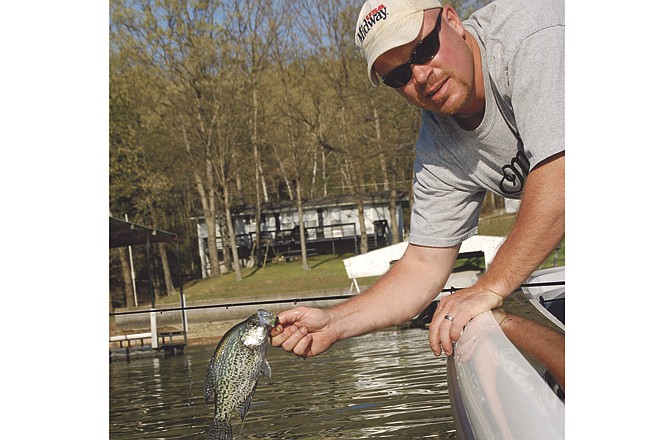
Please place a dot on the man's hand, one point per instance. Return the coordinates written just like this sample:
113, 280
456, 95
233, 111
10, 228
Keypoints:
304, 331
461, 306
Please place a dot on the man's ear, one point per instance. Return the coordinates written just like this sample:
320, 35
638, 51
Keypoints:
451, 17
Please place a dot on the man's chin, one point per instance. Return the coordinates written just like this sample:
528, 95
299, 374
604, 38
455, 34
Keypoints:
451, 105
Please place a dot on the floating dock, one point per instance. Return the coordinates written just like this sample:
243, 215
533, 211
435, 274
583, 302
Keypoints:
140, 345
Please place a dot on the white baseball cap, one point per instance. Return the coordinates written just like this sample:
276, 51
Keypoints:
385, 24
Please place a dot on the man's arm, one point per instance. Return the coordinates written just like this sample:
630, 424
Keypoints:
398, 296
539, 228
402, 293
543, 343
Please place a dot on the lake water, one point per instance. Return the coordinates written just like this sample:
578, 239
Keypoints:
386, 384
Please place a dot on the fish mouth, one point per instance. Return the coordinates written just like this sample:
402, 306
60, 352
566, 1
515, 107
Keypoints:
267, 319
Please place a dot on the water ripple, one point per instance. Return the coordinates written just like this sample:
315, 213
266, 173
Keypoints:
384, 385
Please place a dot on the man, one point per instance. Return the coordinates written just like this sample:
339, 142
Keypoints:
492, 93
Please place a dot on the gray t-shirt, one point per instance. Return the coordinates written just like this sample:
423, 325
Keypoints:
522, 47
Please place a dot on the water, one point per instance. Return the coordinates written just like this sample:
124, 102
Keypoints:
386, 384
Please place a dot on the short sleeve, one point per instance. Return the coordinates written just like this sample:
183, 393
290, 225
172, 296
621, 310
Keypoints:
442, 216
537, 85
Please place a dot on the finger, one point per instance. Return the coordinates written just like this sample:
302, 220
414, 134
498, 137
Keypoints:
276, 331
438, 326
457, 327
445, 340
446, 304
279, 339
292, 341
288, 317
303, 346
434, 332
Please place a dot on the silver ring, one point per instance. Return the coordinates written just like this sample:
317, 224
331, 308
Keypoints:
448, 317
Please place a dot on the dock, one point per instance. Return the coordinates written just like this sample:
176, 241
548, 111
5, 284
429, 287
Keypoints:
142, 345
156, 342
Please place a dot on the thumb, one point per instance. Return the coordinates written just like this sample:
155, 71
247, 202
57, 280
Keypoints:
288, 317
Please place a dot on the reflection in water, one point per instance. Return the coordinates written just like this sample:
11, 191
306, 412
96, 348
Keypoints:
383, 385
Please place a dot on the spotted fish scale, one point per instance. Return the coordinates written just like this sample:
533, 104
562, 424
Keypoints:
234, 371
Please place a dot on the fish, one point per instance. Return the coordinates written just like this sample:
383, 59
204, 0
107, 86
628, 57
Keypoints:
234, 371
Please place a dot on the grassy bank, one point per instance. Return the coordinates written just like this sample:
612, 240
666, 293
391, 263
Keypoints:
326, 272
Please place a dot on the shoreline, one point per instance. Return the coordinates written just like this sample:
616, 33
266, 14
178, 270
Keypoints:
207, 326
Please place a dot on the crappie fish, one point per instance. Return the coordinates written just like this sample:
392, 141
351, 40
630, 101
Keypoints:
234, 370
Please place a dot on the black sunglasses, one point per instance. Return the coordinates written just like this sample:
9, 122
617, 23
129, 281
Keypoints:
424, 51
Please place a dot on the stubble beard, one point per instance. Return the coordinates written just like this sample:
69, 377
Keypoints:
454, 103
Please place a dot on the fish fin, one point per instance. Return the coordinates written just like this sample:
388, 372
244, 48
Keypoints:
215, 370
210, 383
241, 428
220, 430
265, 369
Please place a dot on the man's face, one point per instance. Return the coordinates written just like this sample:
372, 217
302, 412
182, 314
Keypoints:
444, 84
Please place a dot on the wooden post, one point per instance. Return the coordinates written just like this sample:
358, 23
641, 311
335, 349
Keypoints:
154, 330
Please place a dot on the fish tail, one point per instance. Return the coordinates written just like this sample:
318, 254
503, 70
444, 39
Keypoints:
220, 430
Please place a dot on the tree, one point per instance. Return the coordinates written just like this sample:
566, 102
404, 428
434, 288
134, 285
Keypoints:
127, 277
295, 146
136, 185
253, 26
